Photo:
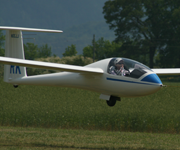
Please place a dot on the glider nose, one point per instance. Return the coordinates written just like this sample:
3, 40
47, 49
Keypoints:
154, 83
153, 78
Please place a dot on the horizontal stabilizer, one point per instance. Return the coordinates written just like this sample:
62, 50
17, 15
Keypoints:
49, 66
29, 29
167, 71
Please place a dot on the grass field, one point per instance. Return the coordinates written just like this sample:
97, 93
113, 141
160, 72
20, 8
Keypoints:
12, 138
66, 108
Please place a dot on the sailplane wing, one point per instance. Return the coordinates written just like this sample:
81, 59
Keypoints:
49, 66
167, 71
29, 29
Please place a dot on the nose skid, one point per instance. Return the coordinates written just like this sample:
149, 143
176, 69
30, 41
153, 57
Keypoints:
153, 78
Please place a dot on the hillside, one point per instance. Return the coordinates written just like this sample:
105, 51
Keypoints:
78, 19
80, 35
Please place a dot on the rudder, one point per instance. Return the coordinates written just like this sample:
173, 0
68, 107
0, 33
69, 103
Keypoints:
14, 48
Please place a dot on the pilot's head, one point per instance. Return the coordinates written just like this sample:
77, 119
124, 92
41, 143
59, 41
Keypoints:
119, 63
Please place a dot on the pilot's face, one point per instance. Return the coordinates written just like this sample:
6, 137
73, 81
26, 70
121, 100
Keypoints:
119, 66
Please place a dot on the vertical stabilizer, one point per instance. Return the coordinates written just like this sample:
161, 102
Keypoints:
14, 48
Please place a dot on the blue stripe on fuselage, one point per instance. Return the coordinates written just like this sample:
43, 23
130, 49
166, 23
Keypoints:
128, 81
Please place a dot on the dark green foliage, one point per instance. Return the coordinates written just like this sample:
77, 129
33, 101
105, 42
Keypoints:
88, 51
35, 71
74, 60
77, 60
2, 38
152, 26
70, 51
103, 49
2, 52
32, 51
44, 51
1, 70
170, 56
130, 49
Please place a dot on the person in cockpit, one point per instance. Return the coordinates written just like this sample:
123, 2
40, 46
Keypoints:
118, 68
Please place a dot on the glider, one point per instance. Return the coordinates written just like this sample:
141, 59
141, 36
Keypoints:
113, 78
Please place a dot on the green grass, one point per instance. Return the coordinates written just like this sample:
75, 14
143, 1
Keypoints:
55, 107
37, 138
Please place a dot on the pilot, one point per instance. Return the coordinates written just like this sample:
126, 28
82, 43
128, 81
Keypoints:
118, 68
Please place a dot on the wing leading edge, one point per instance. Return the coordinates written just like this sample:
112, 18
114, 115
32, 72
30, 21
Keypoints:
29, 29
50, 66
167, 71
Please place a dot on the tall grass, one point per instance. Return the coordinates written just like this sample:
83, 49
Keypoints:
55, 107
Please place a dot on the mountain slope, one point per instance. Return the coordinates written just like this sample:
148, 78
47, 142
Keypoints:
78, 19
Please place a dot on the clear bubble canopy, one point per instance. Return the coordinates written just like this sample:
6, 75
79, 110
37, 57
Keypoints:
127, 67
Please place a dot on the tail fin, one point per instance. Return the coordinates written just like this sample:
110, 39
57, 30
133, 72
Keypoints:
14, 48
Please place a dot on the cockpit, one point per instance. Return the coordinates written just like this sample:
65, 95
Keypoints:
127, 67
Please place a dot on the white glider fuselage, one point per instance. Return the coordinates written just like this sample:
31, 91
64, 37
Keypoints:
105, 83
112, 77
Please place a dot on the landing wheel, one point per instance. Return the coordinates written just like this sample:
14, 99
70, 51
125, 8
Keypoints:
15, 86
112, 101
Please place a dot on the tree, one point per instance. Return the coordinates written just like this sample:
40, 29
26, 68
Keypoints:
2, 38
143, 22
32, 51
70, 51
88, 51
103, 49
170, 55
44, 51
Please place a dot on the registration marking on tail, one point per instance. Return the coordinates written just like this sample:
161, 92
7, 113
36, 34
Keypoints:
17, 69
15, 35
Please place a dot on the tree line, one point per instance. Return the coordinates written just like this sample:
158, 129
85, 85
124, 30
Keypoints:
150, 29
146, 31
